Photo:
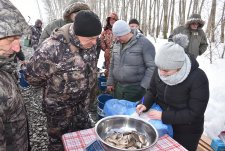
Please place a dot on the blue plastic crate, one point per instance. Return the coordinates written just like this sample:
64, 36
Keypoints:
217, 145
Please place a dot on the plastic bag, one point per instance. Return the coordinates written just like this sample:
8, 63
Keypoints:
124, 107
119, 107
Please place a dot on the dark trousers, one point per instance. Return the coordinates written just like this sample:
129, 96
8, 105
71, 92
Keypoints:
188, 140
129, 92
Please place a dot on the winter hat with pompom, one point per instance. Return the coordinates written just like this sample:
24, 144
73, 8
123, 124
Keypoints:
171, 55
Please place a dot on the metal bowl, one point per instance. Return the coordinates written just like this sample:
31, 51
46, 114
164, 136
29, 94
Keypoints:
124, 123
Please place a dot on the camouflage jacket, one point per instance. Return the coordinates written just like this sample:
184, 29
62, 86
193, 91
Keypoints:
13, 124
65, 69
106, 39
36, 33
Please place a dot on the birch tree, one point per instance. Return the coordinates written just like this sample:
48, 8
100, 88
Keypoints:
165, 25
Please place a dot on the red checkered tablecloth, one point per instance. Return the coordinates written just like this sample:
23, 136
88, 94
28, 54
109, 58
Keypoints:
77, 141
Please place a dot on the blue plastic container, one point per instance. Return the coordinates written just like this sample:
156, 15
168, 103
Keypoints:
102, 83
217, 145
101, 103
22, 82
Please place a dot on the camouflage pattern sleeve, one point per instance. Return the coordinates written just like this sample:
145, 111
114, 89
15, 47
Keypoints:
102, 41
13, 120
41, 65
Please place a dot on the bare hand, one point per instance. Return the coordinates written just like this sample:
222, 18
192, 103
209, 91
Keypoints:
140, 108
155, 115
110, 88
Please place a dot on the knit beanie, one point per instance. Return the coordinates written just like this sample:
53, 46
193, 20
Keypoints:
134, 21
171, 55
87, 24
120, 28
12, 22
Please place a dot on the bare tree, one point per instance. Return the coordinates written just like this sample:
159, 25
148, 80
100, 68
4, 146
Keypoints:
195, 7
154, 17
172, 16
222, 25
165, 25
55, 8
158, 18
211, 22
189, 9
182, 8
132, 8
200, 9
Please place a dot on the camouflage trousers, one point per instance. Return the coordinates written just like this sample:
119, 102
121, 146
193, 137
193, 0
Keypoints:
64, 119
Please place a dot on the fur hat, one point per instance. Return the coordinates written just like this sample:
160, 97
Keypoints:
120, 28
74, 8
87, 24
171, 55
195, 18
134, 21
11, 20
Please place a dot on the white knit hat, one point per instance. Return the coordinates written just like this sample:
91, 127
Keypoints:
171, 55
120, 28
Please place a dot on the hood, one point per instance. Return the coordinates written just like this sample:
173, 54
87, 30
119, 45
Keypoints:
12, 22
195, 18
74, 7
112, 15
62, 34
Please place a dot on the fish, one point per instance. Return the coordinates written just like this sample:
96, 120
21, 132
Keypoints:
129, 140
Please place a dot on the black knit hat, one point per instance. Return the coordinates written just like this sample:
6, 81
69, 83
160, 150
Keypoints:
87, 24
134, 21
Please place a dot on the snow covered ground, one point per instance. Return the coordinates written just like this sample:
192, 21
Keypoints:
215, 112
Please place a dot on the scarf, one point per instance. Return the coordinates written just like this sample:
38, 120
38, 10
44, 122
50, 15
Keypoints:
180, 76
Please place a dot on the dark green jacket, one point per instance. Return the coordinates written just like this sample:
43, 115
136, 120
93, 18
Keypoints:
197, 40
50, 27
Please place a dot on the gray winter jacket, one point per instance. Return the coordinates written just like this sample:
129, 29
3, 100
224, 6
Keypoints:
134, 64
197, 40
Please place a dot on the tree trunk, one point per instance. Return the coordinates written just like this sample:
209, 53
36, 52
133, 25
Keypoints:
195, 7
169, 16
189, 9
158, 18
165, 25
222, 25
172, 16
132, 9
200, 9
213, 10
150, 18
